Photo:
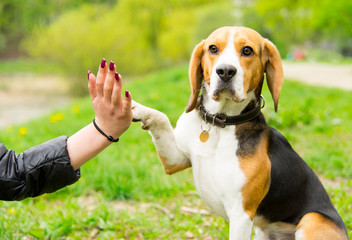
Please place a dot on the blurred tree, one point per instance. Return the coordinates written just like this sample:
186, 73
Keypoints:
19, 17
332, 22
293, 22
213, 16
286, 22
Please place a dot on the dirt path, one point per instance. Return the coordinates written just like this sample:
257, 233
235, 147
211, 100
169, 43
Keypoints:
25, 97
319, 74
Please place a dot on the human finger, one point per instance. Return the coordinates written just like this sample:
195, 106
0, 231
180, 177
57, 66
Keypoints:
127, 104
116, 97
101, 77
109, 81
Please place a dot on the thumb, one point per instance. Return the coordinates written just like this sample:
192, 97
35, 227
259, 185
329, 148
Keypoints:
91, 85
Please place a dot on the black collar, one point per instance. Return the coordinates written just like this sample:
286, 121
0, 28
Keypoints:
222, 120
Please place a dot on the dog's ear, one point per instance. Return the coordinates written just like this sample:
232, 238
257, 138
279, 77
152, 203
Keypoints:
274, 72
195, 76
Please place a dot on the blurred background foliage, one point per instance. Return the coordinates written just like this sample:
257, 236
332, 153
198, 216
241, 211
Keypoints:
142, 36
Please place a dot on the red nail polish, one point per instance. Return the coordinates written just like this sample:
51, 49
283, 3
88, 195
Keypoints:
102, 64
111, 66
127, 94
117, 76
89, 72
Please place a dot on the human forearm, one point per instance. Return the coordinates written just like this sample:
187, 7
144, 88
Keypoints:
85, 144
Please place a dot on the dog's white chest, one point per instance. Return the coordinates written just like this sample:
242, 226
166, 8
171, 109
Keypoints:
216, 171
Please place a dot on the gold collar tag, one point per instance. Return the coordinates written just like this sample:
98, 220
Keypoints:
204, 136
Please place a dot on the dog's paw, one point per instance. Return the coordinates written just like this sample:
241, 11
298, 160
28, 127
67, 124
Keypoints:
136, 112
141, 114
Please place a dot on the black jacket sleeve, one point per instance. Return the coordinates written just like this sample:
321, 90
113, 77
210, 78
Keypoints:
42, 169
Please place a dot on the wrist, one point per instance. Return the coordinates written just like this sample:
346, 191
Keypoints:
103, 133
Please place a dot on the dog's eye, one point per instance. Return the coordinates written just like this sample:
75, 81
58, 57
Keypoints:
247, 51
213, 49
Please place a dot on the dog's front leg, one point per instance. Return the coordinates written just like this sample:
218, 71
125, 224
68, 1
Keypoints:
240, 227
159, 126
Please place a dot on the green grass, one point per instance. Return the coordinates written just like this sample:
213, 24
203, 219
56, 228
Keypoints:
124, 193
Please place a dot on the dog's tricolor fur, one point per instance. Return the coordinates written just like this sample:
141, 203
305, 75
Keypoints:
247, 173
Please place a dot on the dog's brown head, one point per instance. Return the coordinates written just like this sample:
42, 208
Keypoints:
232, 62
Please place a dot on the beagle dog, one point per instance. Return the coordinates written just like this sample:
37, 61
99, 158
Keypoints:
244, 170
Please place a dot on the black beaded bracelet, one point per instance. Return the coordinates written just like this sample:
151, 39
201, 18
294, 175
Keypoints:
110, 138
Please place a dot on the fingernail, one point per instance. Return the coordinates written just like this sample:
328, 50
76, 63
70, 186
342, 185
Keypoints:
127, 94
112, 64
89, 72
102, 64
117, 76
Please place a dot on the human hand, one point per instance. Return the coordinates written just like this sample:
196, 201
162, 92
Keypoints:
113, 115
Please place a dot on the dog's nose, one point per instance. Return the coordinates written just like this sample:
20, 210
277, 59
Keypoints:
226, 71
